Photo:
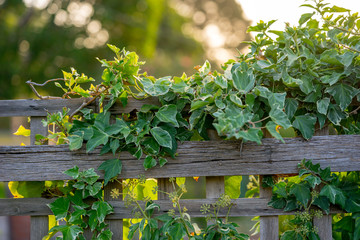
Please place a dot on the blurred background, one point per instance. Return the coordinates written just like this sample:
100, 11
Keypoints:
39, 38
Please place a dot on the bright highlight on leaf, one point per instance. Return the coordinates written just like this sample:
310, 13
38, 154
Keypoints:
22, 131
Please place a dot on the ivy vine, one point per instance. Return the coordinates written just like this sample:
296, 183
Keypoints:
300, 79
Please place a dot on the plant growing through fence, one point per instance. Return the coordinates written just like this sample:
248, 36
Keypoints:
304, 78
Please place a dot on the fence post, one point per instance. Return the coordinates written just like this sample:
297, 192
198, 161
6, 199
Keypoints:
269, 225
115, 225
323, 224
39, 225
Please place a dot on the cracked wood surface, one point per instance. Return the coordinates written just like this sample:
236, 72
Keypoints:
206, 158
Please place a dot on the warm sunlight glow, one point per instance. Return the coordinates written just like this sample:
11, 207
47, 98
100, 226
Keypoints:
285, 10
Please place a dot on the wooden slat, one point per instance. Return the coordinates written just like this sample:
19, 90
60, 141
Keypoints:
269, 225
323, 224
31, 107
37, 127
115, 225
39, 225
241, 207
133, 104
207, 158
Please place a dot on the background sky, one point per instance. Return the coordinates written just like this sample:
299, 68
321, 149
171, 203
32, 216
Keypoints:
285, 10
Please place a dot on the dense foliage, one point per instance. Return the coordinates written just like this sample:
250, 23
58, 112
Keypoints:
318, 187
304, 78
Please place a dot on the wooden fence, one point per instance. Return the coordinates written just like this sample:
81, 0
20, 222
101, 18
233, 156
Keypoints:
212, 159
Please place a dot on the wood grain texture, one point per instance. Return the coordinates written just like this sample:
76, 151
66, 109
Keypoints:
39, 227
32, 107
37, 127
323, 224
241, 207
269, 225
115, 225
207, 158
133, 104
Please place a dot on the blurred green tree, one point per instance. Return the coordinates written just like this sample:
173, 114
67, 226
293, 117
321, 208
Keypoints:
42, 37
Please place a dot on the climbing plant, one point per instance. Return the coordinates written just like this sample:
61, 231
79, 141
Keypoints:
300, 79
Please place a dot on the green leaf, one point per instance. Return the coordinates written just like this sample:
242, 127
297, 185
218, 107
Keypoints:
313, 180
330, 56
162, 161
232, 186
179, 85
75, 142
302, 193
323, 203
280, 118
162, 85
276, 99
333, 193
357, 228
277, 203
289, 235
243, 81
252, 134
221, 82
99, 137
112, 168
105, 235
162, 137
280, 189
271, 127
305, 17
291, 106
306, 125
151, 146
335, 115
323, 105
132, 229
114, 145
73, 172
168, 114
331, 79
176, 231
149, 162
94, 189
60, 208
343, 94
102, 209
114, 48
70, 232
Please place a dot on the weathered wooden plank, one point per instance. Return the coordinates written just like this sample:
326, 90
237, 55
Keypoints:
323, 224
241, 207
207, 158
32, 107
39, 227
115, 225
37, 127
133, 104
269, 225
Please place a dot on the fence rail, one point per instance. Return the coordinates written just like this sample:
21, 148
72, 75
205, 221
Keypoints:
213, 159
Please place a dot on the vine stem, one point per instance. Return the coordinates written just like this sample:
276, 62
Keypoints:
31, 84
86, 103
